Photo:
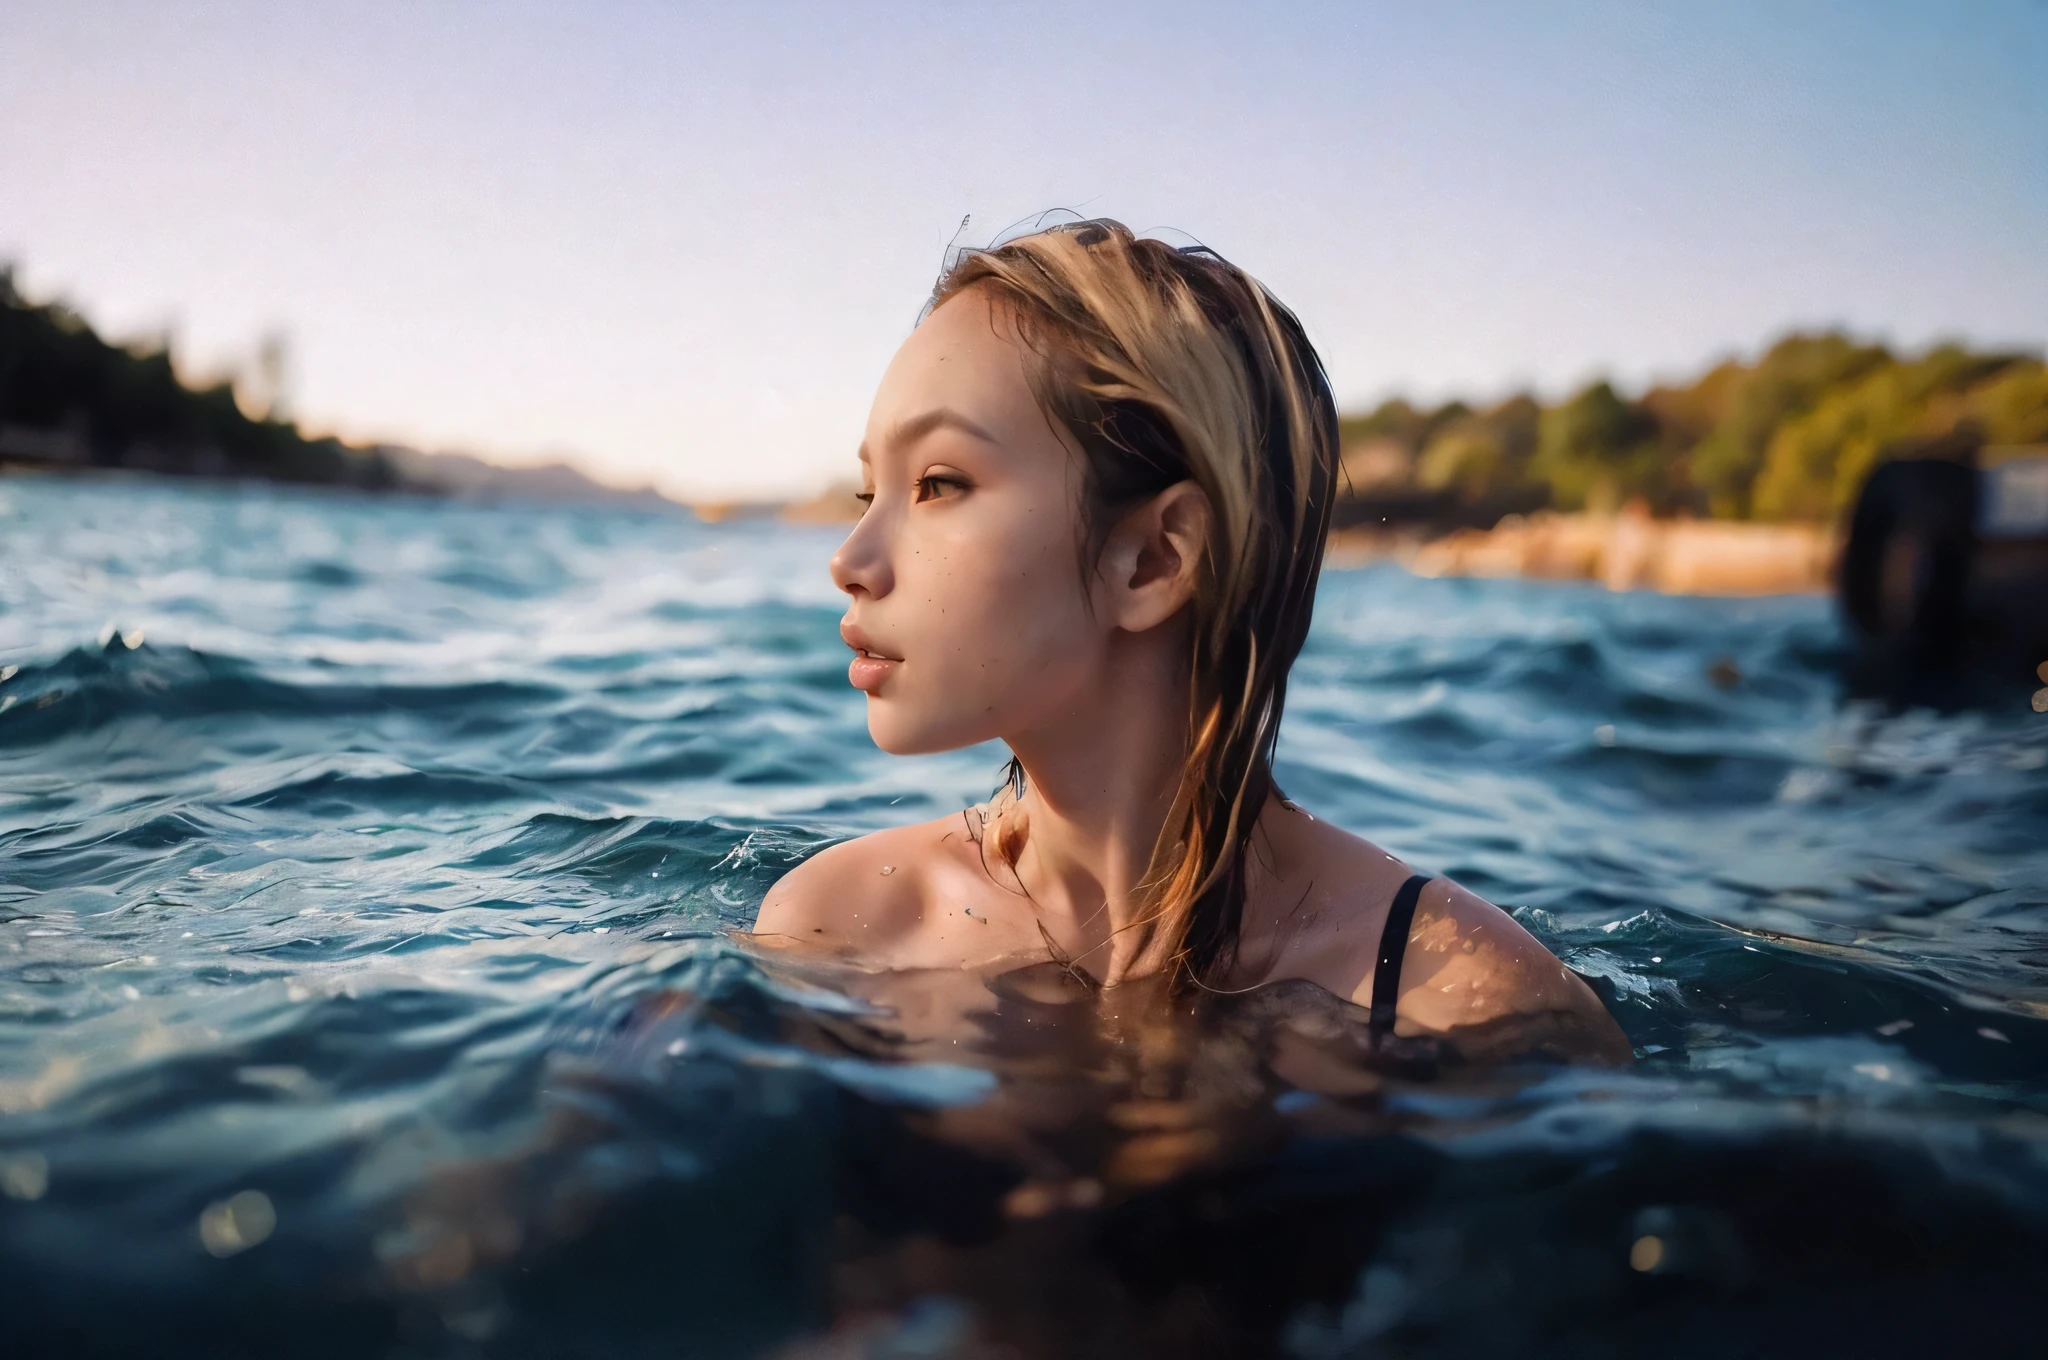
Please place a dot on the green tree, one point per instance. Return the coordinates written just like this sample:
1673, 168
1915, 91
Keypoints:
1483, 455
1786, 383
1597, 450
1405, 424
1816, 464
2012, 406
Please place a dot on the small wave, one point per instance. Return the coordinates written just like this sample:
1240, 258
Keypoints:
85, 690
644, 868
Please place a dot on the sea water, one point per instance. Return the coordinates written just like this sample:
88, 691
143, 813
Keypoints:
368, 871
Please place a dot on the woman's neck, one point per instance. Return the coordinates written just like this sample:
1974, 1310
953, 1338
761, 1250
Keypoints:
1099, 783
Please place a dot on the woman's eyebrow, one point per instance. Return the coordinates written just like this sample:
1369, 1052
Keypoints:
907, 432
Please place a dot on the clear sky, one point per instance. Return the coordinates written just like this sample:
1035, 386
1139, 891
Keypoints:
677, 243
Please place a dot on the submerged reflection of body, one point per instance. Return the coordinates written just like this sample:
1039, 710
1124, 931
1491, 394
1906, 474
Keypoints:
1100, 474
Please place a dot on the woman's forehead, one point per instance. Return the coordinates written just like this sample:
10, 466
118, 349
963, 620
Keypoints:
957, 371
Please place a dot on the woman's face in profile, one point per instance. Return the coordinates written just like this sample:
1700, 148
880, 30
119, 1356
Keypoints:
968, 612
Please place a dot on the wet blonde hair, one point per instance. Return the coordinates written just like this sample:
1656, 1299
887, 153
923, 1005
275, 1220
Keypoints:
1167, 365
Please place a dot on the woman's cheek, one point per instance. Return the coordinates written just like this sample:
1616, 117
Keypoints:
975, 651
995, 631
938, 698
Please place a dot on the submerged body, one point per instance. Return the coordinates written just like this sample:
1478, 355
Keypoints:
929, 896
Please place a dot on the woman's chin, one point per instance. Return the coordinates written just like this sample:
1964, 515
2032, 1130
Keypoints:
900, 735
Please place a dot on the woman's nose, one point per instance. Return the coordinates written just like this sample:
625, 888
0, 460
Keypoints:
861, 566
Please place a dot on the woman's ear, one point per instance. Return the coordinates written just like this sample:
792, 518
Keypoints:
1153, 559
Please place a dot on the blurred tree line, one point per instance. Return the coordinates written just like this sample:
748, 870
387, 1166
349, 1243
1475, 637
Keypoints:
1790, 436
70, 398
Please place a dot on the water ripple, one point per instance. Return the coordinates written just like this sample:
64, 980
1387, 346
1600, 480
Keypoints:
376, 855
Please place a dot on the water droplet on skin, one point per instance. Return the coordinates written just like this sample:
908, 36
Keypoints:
888, 869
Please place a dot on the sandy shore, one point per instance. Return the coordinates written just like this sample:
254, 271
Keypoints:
1623, 552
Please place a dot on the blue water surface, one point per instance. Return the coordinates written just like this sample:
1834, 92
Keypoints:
339, 835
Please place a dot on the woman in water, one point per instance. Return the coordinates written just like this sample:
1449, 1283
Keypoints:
1099, 478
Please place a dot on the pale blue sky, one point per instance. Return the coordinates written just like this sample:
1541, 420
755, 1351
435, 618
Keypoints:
678, 243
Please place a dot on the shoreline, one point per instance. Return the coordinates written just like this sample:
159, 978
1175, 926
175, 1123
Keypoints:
1626, 551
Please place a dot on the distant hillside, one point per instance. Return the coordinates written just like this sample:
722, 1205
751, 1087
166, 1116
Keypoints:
458, 474
1790, 435
70, 400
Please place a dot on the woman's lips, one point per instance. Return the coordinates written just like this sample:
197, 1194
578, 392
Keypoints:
870, 668
867, 671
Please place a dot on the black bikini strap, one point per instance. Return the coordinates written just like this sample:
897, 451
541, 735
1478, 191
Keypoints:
1386, 977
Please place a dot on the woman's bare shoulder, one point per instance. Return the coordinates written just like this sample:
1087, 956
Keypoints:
1469, 965
865, 892
1469, 969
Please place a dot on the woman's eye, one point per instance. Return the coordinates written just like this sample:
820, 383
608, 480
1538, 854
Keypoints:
864, 497
937, 486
